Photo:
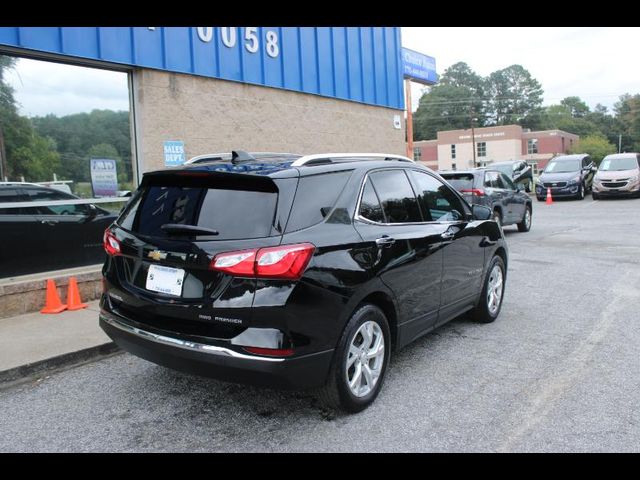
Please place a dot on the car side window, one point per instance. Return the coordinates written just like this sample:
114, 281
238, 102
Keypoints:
10, 195
399, 203
491, 180
507, 182
370, 207
439, 203
41, 195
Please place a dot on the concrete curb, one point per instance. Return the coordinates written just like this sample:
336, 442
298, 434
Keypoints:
14, 376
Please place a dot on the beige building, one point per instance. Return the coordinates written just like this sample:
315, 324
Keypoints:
212, 115
453, 149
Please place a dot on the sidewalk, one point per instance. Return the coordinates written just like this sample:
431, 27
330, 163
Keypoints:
33, 343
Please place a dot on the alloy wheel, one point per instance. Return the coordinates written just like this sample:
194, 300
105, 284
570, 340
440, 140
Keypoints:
365, 359
494, 289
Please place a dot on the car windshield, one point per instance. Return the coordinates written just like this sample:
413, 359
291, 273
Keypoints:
507, 169
612, 164
562, 166
459, 181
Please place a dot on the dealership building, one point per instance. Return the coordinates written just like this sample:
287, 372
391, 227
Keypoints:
453, 149
200, 90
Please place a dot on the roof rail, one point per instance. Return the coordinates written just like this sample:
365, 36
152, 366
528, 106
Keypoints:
330, 157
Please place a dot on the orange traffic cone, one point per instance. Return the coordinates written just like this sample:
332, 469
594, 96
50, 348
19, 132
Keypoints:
549, 198
52, 304
73, 296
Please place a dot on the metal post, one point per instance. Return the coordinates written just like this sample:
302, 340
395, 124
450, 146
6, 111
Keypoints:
473, 144
620, 143
4, 173
407, 86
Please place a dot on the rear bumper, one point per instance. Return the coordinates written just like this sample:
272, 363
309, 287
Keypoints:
308, 371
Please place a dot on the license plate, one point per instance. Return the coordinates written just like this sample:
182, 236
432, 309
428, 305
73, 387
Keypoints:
165, 280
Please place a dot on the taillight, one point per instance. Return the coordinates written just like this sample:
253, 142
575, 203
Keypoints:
474, 191
272, 352
284, 262
110, 243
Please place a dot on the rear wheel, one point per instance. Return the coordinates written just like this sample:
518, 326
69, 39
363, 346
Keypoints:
580, 194
525, 224
360, 361
490, 302
497, 217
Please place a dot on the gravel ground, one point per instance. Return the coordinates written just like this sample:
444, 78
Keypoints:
558, 371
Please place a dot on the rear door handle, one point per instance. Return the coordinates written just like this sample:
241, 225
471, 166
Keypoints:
49, 222
385, 241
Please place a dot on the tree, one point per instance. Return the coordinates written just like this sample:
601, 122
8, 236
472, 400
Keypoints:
595, 145
462, 76
514, 96
628, 115
577, 108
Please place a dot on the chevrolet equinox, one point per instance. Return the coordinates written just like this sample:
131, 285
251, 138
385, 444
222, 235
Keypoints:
296, 271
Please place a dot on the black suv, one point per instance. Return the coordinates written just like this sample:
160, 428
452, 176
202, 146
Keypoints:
41, 232
493, 189
296, 272
519, 171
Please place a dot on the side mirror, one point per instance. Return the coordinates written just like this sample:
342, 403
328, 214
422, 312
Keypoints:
480, 212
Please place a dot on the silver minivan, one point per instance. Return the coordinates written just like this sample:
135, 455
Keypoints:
618, 174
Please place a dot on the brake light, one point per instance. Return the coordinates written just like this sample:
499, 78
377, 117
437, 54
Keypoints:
272, 352
110, 243
474, 191
282, 262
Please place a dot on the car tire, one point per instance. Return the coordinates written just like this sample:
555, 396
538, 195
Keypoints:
594, 195
540, 199
486, 311
527, 187
580, 194
525, 224
497, 217
337, 392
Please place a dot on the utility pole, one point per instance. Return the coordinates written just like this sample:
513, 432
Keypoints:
620, 143
473, 136
407, 86
3, 157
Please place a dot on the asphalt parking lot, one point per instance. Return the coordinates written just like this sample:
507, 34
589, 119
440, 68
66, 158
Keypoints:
558, 371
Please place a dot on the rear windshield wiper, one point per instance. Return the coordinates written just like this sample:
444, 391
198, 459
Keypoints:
177, 229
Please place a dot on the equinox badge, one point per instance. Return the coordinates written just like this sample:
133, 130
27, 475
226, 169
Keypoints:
157, 255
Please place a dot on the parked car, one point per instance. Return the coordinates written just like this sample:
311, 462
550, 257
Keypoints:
296, 274
617, 175
493, 189
519, 171
41, 238
566, 176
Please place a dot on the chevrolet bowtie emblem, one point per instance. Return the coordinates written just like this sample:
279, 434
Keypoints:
157, 255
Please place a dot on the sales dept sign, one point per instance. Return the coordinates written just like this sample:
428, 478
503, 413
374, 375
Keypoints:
173, 153
104, 177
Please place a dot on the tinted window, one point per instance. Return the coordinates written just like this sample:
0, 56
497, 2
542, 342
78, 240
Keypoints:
439, 202
10, 195
42, 195
315, 197
507, 169
234, 212
562, 166
396, 195
370, 205
618, 163
460, 181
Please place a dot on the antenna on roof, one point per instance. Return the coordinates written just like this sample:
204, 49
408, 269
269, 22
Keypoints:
238, 156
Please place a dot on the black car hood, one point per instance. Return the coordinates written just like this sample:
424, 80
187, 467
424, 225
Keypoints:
559, 176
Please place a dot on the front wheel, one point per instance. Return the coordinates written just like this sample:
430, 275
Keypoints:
594, 195
488, 307
360, 361
525, 224
580, 195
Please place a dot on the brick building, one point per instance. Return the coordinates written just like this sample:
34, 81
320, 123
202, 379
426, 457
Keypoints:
453, 148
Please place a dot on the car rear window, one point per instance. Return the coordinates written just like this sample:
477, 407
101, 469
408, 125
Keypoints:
460, 181
315, 197
235, 210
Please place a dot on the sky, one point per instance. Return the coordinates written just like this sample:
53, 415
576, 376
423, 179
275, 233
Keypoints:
598, 64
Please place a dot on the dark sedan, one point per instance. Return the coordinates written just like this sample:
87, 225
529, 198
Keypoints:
493, 189
40, 238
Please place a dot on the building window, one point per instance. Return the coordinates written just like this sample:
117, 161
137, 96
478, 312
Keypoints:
532, 146
482, 149
453, 151
453, 166
417, 154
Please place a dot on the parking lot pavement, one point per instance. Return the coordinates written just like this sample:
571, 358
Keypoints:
558, 371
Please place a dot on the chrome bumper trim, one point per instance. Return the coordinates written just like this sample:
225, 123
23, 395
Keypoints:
184, 344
